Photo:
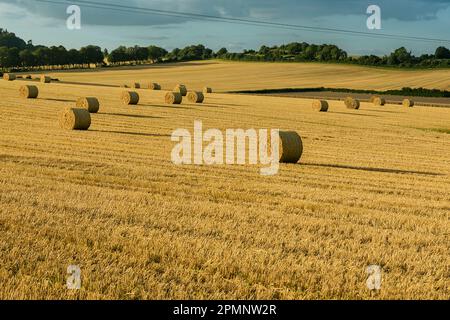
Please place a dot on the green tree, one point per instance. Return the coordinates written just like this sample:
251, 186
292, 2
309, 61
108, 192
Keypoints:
141, 53
92, 54
42, 55
442, 53
9, 40
74, 57
156, 53
310, 52
400, 56
222, 52
118, 55
27, 58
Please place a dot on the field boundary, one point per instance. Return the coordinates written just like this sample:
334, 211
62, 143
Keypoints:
339, 94
413, 92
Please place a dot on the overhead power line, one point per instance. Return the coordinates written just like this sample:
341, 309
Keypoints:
241, 21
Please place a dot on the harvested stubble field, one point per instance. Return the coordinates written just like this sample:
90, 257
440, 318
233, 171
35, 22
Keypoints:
372, 188
235, 76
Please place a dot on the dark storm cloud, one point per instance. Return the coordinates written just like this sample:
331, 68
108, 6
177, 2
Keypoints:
408, 10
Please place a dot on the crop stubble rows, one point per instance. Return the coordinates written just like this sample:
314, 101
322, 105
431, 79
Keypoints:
371, 189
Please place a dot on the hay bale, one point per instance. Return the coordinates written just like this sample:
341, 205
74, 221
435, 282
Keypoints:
195, 97
207, 90
91, 104
408, 103
173, 98
75, 119
9, 77
153, 86
352, 103
291, 147
181, 88
378, 101
29, 92
136, 85
320, 105
130, 97
45, 79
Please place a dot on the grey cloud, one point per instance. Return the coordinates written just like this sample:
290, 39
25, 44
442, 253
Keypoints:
152, 38
407, 10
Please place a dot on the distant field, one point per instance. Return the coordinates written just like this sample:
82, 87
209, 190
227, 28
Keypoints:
232, 76
372, 187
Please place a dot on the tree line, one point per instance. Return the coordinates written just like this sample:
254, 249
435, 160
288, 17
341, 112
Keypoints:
290, 52
404, 58
304, 52
18, 55
138, 54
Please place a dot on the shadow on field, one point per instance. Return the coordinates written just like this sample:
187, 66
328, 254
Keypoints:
384, 170
166, 106
385, 111
227, 104
355, 114
207, 105
130, 115
58, 100
90, 84
141, 134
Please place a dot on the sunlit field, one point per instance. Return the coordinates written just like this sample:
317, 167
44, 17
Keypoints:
372, 187
235, 76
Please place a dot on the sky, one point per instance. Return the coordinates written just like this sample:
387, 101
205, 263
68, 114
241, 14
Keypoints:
45, 23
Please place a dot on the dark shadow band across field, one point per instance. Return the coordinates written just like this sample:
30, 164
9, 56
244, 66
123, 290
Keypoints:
166, 106
130, 115
384, 111
132, 133
90, 84
369, 169
354, 114
412, 92
58, 100
423, 97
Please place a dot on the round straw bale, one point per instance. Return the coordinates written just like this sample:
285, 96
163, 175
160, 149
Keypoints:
29, 92
181, 88
91, 104
408, 103
291, 147
207, 90
379, 101
320, 105
130, 97
352, 103
154, 86
136, 85
46, 79
75, 119
9, 77
173, 98
195, 97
